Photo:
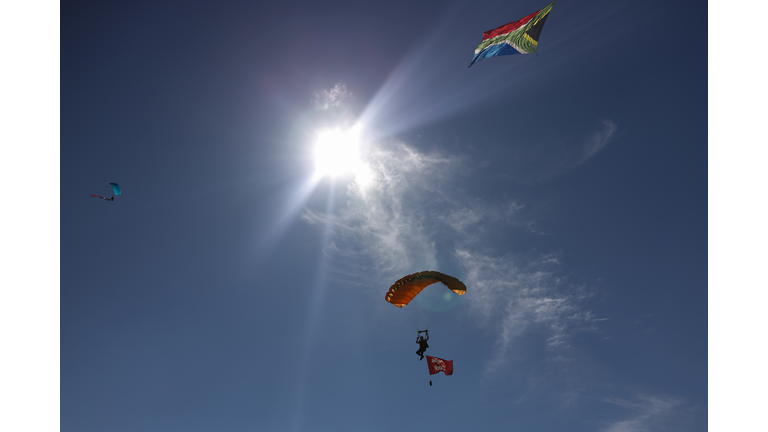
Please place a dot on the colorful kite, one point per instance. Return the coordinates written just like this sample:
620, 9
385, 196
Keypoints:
519, 37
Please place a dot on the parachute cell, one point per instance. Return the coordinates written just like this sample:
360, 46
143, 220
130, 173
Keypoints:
404, 290
115, 188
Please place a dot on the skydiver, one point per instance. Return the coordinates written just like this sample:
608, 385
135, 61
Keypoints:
423, 345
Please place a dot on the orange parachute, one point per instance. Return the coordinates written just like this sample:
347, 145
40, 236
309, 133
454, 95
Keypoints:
404, 290
422, 300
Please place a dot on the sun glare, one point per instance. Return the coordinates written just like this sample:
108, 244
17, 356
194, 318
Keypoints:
336, 152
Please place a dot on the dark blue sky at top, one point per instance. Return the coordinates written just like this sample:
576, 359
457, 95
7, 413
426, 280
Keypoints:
213, 295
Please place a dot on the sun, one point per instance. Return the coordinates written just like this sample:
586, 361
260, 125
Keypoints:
337, 152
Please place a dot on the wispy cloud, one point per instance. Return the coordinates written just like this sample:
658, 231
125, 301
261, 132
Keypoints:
517, 296
597, 141
555, 156
334, 97
390, 220
415, 210
650, 413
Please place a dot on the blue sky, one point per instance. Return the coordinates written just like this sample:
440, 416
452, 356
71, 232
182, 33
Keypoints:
232, 288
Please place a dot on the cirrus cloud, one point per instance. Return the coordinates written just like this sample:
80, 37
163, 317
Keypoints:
413, 212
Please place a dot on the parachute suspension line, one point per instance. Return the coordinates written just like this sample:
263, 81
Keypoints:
428, 307
411, 315
415, 315
435, 319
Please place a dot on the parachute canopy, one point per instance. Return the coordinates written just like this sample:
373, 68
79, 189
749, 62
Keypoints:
115, 188
404, 290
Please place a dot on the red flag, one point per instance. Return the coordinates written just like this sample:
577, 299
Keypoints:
439, 365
